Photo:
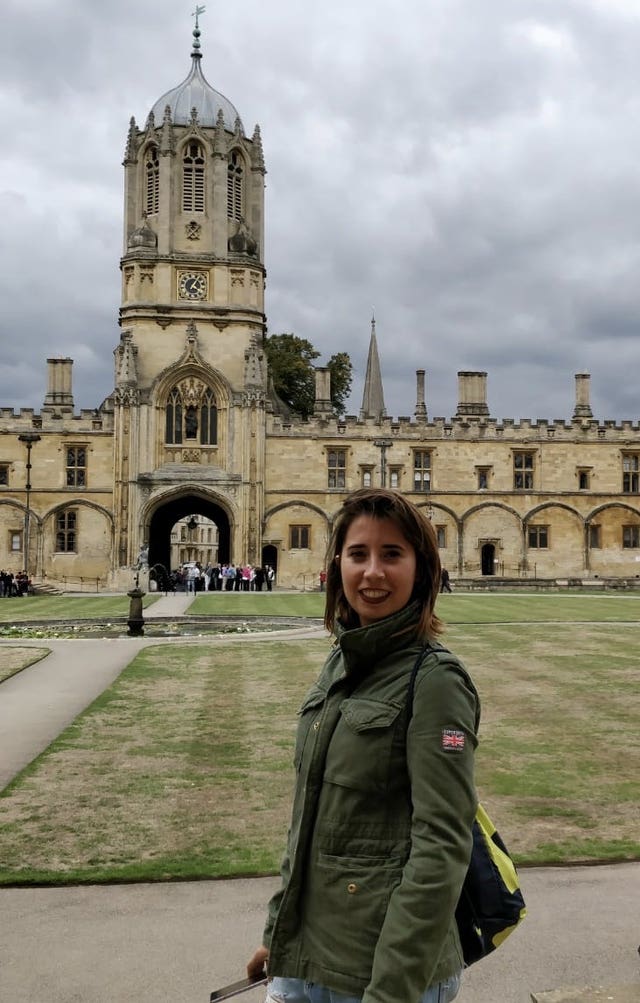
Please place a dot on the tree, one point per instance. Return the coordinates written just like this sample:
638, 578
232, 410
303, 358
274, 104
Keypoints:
339, 365
291, 366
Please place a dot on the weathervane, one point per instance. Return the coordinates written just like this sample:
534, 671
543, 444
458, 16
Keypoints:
197, 12
196, 31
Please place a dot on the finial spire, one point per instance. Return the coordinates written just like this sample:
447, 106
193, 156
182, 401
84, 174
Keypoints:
373, 395
196, 31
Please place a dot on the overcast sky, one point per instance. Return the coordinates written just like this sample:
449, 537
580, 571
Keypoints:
468, 169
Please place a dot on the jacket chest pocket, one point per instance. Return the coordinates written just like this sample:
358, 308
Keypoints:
309, 715
363, 746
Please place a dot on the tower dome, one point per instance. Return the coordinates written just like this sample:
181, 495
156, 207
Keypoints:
196, 92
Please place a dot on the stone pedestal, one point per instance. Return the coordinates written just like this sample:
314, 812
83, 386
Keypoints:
136, 619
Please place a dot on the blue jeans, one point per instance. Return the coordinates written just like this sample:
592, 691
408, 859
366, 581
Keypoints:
299, 991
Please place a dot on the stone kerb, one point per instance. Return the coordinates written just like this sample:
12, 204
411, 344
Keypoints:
590, 994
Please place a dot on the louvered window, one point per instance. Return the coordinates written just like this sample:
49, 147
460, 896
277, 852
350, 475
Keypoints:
193, 178
152, 181
235, 184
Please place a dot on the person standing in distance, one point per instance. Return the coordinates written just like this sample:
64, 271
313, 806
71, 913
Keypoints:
384, 802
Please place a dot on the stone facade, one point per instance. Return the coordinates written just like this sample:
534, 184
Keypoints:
192, 429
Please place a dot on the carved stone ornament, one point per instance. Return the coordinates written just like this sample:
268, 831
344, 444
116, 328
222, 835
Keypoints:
191, 455
253, 397
193, 230
192, 392
126, 396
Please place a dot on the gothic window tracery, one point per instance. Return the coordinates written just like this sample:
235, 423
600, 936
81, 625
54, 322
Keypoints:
191, 414
152, 181
235, 186
193, 181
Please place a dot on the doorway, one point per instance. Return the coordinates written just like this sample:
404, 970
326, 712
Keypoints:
488, 554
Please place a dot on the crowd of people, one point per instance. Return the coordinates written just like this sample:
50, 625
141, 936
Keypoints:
14, 585
194, 577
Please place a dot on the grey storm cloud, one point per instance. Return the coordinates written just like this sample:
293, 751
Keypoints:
467, 171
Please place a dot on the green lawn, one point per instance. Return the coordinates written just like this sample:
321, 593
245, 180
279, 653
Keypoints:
472, 607
183, 767
46, 608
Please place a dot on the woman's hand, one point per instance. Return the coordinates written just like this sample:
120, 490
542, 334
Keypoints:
257, 965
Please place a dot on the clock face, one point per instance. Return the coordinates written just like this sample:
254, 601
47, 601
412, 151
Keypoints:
192, 285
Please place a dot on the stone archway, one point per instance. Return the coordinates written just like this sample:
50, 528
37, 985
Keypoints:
166, 516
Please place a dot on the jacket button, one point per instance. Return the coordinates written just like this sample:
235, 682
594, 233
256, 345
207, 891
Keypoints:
316, 725
352, 888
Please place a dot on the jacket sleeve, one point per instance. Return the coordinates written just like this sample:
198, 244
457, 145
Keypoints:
276, 898
441, 740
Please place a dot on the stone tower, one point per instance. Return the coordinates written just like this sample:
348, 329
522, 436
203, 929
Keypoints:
190, 374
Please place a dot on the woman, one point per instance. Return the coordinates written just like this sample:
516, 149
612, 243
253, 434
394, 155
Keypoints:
380, 835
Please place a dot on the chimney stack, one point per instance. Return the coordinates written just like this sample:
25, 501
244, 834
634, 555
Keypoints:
583, 405
59, 393
322, 407
420, 412
472, 394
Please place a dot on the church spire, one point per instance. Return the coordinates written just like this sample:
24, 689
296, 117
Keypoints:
373, 395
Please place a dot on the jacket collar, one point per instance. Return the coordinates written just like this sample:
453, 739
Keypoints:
362, 646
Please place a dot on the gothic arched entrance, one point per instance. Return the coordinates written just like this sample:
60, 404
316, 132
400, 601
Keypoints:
270, 556
166, 516
488, 554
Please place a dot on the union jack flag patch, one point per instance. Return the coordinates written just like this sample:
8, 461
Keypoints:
452, 740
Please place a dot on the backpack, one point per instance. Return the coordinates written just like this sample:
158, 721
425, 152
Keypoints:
491, 904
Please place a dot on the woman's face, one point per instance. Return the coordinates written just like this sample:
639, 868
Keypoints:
378, 568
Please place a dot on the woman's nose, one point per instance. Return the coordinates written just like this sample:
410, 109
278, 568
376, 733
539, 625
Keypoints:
374, 568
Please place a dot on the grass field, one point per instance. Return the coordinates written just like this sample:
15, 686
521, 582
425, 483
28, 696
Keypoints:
534, 607
472, 607
183, 767
69, 608
15, 658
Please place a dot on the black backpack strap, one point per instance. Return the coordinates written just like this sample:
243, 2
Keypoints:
424, 650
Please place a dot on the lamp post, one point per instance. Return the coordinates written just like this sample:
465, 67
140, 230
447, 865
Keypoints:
29, 438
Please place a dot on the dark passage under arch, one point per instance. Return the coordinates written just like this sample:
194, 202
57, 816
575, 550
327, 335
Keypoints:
165, 517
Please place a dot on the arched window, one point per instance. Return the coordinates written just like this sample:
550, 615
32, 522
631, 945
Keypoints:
193, 178
174, 418
191, 416
235, 186
208, 420
151, 181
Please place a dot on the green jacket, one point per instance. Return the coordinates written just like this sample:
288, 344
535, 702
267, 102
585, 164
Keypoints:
380, 834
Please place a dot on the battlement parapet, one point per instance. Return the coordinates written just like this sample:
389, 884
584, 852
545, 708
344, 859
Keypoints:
461, 427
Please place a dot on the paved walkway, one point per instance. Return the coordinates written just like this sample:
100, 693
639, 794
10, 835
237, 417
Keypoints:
175, 942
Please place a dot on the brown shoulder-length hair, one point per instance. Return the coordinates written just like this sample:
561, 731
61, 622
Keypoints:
379, 503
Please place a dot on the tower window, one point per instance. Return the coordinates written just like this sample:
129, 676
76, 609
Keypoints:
76, 467
631, 537
193, 178
152, 181
235, 184
66, 532
4, 474
595, 536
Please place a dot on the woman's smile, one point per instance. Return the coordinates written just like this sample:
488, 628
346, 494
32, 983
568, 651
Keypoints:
378, 568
